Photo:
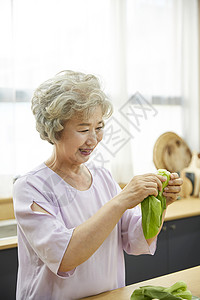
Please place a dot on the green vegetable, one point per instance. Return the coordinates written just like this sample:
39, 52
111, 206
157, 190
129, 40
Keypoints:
152, 209
176, 292
179, 289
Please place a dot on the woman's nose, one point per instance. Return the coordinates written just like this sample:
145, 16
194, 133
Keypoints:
92, 139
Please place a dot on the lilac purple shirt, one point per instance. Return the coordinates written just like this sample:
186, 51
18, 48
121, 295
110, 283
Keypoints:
43, 238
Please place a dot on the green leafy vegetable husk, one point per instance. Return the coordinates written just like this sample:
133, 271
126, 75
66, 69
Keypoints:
177, 291
152, 209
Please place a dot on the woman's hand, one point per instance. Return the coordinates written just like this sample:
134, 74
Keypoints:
171, 192
140, 187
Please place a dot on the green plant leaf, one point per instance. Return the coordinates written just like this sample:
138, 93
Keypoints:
152, 209
151, 212
177, 291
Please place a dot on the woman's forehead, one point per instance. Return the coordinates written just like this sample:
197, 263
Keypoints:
88, 116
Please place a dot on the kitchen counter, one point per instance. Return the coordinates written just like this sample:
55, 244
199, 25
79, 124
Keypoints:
182, 208
6, 209
190, 276
8, 233
6, 243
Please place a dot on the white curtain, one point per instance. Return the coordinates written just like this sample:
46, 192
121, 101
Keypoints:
190, 73
163, 66
145, 48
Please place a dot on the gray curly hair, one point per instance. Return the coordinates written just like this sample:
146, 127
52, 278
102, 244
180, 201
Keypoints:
59, 98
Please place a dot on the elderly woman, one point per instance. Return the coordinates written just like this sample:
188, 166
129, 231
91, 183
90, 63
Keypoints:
74, 221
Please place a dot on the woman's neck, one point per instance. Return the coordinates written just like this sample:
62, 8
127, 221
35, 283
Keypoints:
57, 164
77, 176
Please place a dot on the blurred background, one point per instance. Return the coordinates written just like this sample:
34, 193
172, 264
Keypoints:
145, 52
146, 55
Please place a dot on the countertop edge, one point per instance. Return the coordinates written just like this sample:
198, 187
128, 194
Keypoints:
8, 243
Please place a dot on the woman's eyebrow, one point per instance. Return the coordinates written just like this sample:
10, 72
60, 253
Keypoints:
87, 124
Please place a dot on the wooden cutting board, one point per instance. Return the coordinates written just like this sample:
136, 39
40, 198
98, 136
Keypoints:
176, 155
171, 152
187, 187
195, 170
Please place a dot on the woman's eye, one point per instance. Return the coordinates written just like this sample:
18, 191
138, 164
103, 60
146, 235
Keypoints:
86, 130
99, 128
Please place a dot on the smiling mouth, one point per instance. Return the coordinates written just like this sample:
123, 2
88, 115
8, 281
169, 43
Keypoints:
86, 151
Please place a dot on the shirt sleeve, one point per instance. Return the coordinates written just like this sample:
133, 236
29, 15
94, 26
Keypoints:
46, 234
133, 239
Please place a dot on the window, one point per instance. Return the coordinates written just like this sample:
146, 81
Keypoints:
135, 46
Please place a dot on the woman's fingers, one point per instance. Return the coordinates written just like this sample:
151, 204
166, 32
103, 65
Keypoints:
161, 179
152, 188
174, 176
142, 186
171, 192
172, 189
171, 195
178, 182
158, 179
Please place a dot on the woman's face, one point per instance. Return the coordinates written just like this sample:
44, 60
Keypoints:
79, 137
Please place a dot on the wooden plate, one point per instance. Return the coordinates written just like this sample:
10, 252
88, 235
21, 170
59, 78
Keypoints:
176, 155
171, 152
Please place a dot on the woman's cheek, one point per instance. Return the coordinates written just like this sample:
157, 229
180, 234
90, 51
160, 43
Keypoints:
100, 136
